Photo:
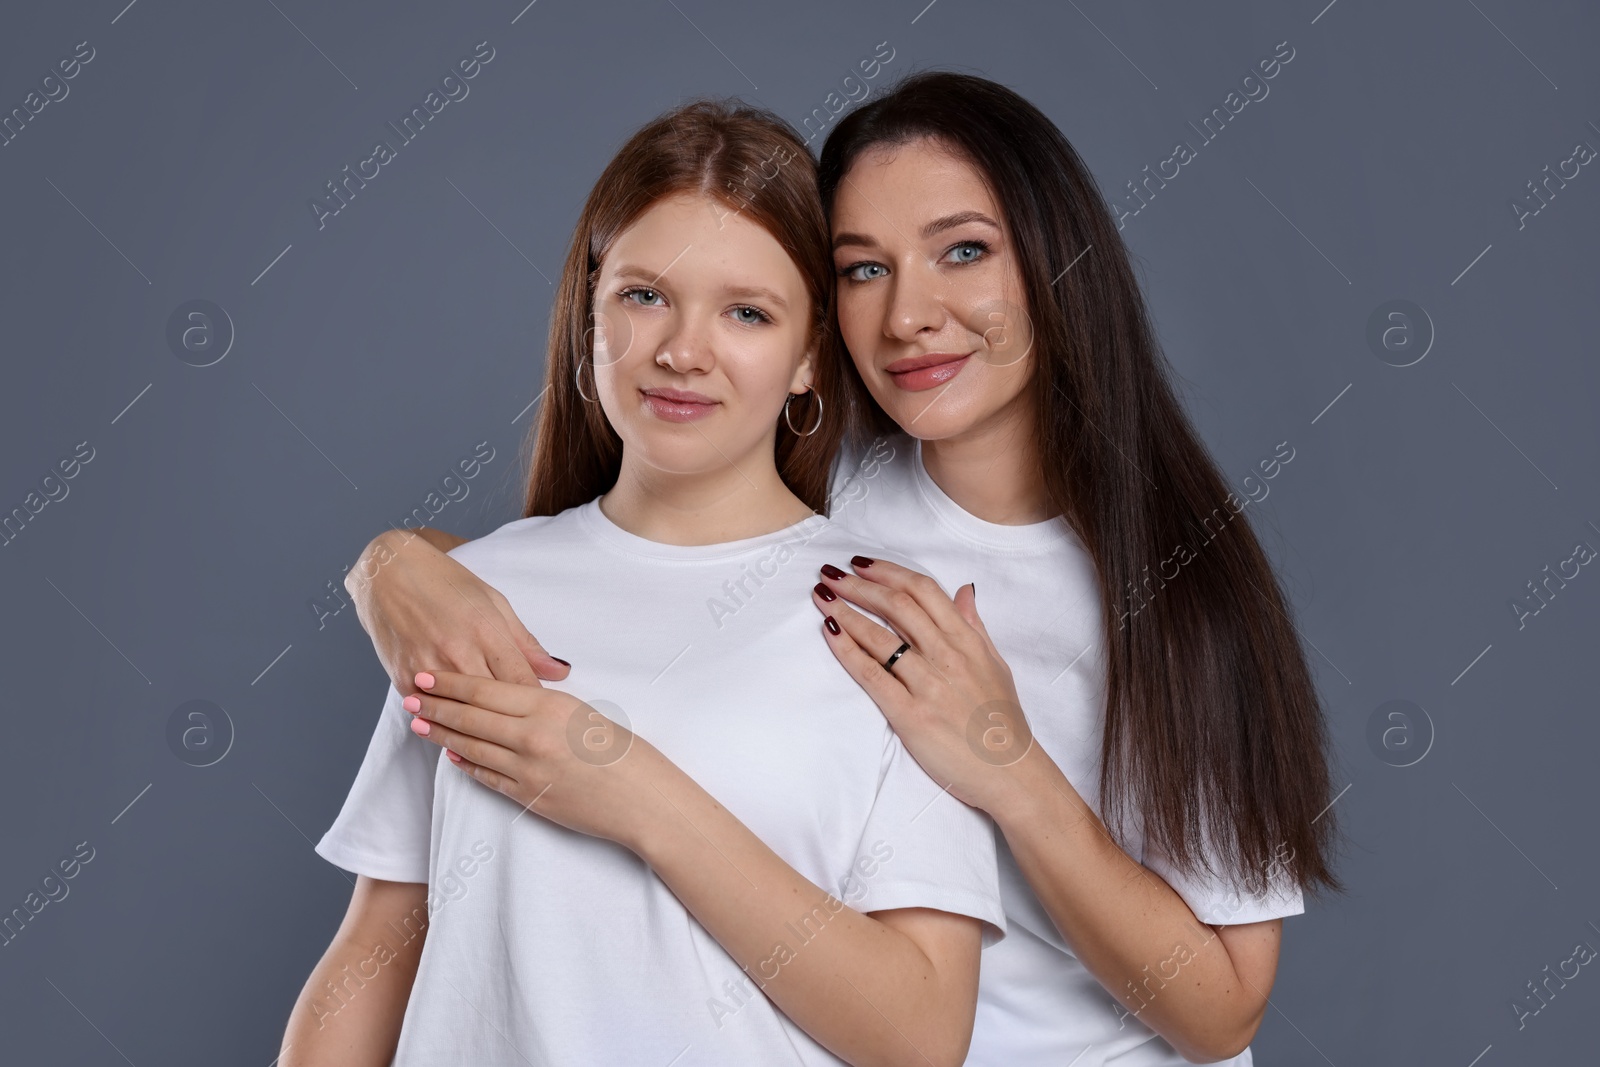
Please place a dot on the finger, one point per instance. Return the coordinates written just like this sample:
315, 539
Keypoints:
967, 604
533, 653
894, 606
876, 643
479, 751
928, 594
887, 690
508, 663
487, 693
463, 718
487, 775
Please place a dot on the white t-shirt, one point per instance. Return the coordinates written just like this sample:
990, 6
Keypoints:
1038, 597
547, 946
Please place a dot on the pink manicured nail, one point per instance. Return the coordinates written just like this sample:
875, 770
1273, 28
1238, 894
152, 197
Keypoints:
424, 680
412, 703
420, 727
453, 757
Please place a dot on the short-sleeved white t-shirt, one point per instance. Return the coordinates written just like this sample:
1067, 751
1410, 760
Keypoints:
549, 946
1037, 593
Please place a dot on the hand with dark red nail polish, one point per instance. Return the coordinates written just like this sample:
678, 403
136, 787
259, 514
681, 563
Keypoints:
830, 571
860, 561
824, 592
833, 627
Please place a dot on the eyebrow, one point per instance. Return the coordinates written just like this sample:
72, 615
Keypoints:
744, 292
960, 218
932, 229
757, 292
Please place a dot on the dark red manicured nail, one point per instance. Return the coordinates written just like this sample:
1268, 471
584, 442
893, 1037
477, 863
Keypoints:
830, 571
860, 561
559, 660
824, 592
833, 627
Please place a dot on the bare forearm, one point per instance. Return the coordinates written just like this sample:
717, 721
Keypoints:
350, 1010
864, 990
1129, 928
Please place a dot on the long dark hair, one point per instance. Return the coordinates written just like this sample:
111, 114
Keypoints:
756, 165
1214, 734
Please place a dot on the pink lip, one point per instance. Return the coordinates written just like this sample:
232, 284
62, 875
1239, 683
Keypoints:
677, 405
916, 373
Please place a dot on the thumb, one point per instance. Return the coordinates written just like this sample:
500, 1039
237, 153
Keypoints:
543, 663
966, 601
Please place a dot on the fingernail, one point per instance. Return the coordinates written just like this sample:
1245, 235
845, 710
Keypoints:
453, 757
412, 703
830, 571
420, 727
827, 620
559, 660
424, 680
824, 592
860, 561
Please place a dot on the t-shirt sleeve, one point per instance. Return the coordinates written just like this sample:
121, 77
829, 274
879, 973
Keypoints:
923, 848
1218, 901
385, 828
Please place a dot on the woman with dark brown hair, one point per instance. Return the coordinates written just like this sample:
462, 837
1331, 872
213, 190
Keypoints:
1133, 707
763, 874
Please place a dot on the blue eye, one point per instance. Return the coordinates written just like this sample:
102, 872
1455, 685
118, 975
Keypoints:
750, 316
642, 292
968, 251
863, 272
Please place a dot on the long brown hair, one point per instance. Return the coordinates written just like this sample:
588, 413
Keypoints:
752, 162
1214, 733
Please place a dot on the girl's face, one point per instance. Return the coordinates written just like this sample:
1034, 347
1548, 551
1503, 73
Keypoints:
701, 329
930, 291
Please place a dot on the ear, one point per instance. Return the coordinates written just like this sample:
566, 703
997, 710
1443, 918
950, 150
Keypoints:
804, 372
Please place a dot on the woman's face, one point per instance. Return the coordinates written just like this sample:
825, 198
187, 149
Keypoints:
701, 328
930, 291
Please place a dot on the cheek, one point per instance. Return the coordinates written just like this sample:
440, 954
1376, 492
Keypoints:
614, 335
861, 322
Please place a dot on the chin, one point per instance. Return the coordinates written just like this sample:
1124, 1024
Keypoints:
932, 415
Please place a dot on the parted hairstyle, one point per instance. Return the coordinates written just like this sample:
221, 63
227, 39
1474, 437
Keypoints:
1214, 733
755, 165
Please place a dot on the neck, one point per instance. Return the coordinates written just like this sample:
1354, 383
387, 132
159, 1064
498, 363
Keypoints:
704, 508
994, 471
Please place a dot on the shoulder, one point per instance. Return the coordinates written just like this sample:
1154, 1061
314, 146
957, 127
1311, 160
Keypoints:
513, 539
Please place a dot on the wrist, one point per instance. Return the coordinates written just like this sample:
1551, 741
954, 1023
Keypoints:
1030, 788
655, 795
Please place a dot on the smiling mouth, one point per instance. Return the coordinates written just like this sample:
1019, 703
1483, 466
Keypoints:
925, 372
681, 407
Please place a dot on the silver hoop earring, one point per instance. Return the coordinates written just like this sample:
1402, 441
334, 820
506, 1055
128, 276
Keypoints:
577, 380
790, 424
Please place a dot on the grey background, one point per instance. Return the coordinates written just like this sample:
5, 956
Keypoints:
375, 352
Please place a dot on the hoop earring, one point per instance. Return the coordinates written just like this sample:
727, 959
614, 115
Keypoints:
577, 380
790, 424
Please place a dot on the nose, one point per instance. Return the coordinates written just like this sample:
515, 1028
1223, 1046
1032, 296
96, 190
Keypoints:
687, 346
915, 304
